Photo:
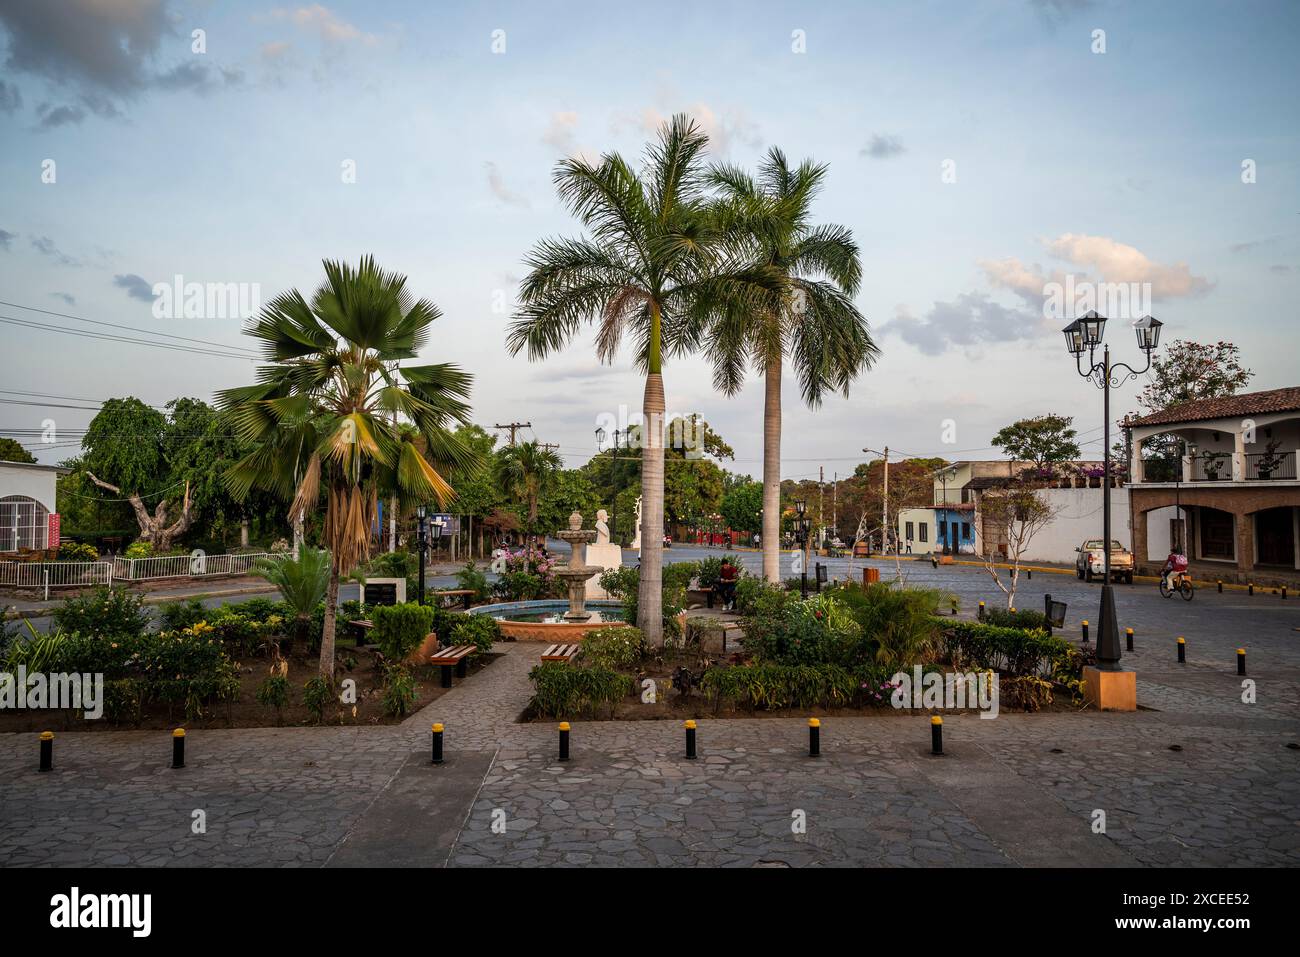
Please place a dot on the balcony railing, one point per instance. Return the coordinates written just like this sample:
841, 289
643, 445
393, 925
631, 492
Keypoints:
1212, 470
1261, 466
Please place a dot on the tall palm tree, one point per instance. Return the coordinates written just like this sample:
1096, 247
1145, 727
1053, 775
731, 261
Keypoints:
651, 263
523, 472
812, 321
319, 417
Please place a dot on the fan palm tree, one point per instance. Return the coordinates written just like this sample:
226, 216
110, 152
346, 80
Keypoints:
523, 472
650, 266
812, 320
320, 416
302, 582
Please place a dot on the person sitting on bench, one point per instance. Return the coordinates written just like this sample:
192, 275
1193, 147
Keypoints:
727, 584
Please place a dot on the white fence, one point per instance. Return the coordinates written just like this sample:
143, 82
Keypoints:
196, 565
49, 575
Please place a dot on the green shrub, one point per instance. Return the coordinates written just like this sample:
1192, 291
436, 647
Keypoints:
481, 631
788, 631
399, 629
77, 552
181, 614
773, 686
898, 624
612, 647
750, 590
274, 693
622, 583
1025, 618
107, 612
124, 700
139, 549
317, 695
400, 692
563, 690
472, 578
519, 586
1013, 651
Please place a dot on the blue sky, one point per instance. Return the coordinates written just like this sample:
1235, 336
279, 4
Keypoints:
225, 166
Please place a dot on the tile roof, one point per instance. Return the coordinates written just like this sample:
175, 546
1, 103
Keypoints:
1249, 403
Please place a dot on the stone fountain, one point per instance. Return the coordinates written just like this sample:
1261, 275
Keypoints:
577, 572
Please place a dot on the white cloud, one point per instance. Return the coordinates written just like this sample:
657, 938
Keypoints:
324, 23
1117, 262
499, 189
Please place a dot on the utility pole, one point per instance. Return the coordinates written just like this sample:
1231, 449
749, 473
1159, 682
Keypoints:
884, 503
821, 505
513, 427
550, 445
835, 505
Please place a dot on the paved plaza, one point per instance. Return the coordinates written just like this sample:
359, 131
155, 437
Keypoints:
1196, 778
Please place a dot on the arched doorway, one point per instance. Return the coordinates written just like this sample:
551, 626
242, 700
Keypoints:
24, 523
1275, 537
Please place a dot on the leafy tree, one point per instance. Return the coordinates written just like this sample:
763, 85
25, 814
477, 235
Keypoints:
1186, 372
303, 582
651, 267
1045, 440
742, 506
524, 472
127, 442
12, 451
810, 319
568, 491
318, 419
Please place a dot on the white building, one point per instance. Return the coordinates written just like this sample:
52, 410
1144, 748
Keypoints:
26, 504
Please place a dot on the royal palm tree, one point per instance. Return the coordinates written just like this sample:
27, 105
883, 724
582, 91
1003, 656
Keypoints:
523, 472
651, 265
812, 321
321, 414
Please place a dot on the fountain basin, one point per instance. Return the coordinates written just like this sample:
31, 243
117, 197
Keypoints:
543, 619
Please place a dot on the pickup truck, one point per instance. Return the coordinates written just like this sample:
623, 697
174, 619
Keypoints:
1091, 562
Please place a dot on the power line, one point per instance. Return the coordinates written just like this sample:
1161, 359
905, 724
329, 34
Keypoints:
114, 325
124, 339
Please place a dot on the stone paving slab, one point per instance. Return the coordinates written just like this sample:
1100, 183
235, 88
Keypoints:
1018, 790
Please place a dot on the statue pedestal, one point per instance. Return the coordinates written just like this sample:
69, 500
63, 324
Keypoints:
1110, 690
607, 555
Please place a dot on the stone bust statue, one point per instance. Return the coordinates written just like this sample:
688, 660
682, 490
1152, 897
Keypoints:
602, 527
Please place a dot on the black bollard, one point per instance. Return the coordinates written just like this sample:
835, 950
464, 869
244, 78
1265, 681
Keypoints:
1250, 589
437, 743
178, 748
954, 606
1284, 593
1241, 661
1128, 639
564, 740
690, 739
936, 735
981, 612
1182, 650
1220, 586
1029, 574
814, 737
1085, 631
47, 751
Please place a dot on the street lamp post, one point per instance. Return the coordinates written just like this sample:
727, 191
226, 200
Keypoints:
1086, 332
800, 506
422, 544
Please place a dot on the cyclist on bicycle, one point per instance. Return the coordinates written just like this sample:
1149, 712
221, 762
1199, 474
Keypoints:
1175, 563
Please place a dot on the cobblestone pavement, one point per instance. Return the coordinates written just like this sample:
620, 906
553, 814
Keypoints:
1206, 780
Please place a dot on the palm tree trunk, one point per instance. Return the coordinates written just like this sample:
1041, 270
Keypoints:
772, 471
650, 589
327, 635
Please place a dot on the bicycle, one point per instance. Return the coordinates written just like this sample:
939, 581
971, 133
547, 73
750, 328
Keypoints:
1179, 582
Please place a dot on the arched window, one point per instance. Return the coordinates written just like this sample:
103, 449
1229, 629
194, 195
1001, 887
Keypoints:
24, 523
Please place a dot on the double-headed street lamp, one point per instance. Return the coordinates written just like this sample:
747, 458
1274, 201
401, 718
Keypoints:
422, 544
1086, 332
801, 525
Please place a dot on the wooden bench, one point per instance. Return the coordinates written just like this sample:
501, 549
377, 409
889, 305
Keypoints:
560, 652
464, 594
456, 657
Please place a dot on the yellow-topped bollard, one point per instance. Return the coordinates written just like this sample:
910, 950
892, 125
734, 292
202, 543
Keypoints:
436, 731
178, 748
1241, 661
690, 738
936, 735
1128, 639
814, 737
564, 740
47, 751
1182, 650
